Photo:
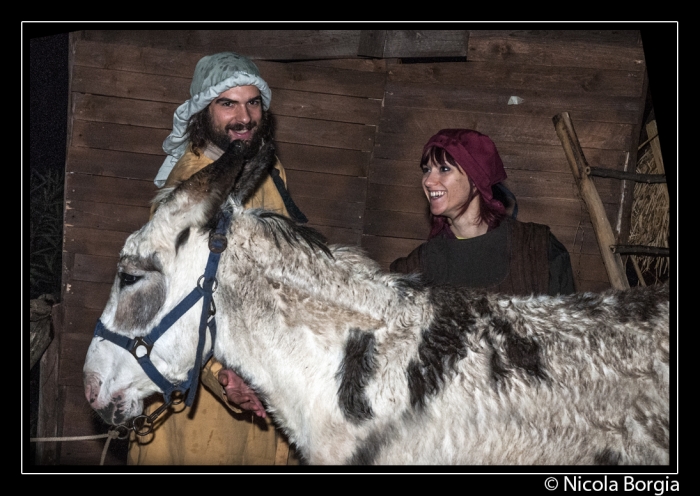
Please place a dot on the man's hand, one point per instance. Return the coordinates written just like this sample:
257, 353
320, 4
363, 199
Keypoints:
239, 393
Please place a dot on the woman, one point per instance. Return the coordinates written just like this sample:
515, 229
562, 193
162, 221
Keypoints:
472, 241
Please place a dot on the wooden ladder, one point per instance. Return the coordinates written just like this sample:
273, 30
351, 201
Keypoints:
610, 251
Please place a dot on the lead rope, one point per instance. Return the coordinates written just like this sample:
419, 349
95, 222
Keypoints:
112, 434
121, 431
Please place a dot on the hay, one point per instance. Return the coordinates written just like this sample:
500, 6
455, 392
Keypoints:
650, 217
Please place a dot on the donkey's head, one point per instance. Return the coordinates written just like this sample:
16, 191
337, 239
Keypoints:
160, 265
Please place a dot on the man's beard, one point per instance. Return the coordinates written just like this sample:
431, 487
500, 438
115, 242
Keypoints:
262, 131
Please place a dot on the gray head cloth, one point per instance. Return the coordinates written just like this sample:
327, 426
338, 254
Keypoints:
213, 75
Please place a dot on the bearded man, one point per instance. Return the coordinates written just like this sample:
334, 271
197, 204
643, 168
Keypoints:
229, 101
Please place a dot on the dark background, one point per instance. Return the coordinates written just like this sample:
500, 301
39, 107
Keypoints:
48, 99
45, 66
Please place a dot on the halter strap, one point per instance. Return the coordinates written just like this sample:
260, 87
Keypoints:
140, 347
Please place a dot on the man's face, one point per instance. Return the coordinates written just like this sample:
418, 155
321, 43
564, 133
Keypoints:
235, 114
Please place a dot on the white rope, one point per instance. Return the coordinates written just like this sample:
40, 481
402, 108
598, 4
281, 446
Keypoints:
113, 434
73, 438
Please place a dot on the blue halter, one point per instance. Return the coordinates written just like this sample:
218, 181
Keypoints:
140, 347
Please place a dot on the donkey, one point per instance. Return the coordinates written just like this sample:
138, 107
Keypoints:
358, 366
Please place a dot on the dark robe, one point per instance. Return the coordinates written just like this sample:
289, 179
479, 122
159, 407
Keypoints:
515, 258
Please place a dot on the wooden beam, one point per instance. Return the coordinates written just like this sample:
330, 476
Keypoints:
654, 251
275, 44
631, 176
372, 43
411, 43
601, 224
619, 50
426, 43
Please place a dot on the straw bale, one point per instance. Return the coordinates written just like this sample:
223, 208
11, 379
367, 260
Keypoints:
650, 217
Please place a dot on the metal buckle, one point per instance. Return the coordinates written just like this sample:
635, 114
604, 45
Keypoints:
177, 397
214, 284
138, 343
217, 242
142, 424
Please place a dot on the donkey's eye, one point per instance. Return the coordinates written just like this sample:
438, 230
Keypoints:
182, 239
127, 279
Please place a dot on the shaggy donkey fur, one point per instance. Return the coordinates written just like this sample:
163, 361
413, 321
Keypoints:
363, 367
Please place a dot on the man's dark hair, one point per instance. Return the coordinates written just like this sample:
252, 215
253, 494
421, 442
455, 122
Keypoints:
200, 131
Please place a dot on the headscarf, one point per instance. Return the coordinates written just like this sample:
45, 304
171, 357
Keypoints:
213, 75
476, 154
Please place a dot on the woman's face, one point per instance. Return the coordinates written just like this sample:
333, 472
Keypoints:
446, 187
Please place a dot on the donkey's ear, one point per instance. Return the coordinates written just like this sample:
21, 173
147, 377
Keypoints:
197, 199
254, 172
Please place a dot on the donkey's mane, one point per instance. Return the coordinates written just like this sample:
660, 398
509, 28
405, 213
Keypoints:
283, 229
342, 276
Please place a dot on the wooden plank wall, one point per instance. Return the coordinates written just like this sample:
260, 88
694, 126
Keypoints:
349, 130
598, 78
122, 100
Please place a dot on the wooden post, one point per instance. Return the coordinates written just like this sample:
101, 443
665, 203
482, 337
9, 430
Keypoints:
589, 193
49, 425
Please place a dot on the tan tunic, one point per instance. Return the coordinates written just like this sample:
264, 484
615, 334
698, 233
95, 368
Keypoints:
266, 196
212, 431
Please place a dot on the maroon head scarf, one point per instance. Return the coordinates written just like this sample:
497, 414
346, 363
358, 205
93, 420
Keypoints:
476, 154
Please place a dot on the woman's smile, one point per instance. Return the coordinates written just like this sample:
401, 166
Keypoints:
447, 189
